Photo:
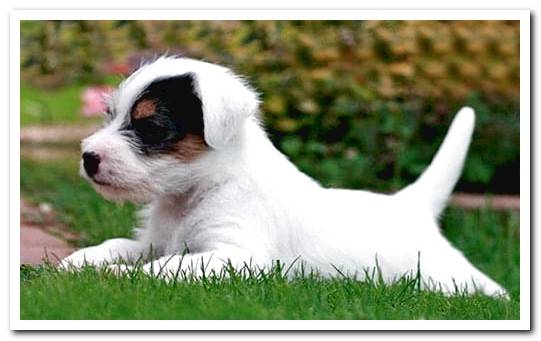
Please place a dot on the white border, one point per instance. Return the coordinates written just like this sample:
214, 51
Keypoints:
522, 15
273, 14
525, 195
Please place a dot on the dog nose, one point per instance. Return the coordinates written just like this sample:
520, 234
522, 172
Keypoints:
91, 162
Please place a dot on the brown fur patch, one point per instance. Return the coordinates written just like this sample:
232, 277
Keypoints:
190, 147
144, 108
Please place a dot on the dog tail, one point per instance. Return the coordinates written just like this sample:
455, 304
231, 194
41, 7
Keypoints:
437, 182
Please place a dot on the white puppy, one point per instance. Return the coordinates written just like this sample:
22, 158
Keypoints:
183, 136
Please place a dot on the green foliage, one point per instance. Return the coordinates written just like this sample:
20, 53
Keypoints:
372, 98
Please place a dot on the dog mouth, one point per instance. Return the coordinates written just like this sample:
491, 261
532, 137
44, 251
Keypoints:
119, 193
107, 184
101, 183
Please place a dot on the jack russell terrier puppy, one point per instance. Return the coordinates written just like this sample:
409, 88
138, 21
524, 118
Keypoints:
184, 137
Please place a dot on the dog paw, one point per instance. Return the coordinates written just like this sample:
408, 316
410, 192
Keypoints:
90, 256
120, 269
74, 262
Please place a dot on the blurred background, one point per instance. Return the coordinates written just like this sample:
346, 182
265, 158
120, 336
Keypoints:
356, 104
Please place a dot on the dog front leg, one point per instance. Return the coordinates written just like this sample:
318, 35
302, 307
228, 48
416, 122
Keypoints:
110, 251
195, 265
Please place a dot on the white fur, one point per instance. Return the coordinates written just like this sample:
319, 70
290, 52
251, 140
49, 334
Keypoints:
245, 202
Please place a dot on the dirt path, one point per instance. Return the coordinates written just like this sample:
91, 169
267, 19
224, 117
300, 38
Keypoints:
496, 202
42, 236
67, 133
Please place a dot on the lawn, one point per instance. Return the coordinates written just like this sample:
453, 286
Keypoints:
489, 239
91, 294
56, 106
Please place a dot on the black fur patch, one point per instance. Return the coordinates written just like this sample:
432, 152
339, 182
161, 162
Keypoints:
178, 112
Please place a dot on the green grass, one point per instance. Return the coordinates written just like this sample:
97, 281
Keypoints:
97, 294
42, 107
56, 106
489, 239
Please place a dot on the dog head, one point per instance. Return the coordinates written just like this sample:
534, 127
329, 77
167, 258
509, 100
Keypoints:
164, 119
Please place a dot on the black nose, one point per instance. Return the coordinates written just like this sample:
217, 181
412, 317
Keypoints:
91, 162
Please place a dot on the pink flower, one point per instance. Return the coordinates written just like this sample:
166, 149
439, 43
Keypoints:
93, 100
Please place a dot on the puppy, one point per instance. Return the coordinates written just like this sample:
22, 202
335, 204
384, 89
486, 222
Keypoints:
183, 137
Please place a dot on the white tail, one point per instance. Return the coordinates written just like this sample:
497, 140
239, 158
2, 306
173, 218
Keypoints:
438, 181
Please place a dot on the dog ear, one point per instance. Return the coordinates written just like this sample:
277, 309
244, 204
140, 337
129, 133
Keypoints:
227, 102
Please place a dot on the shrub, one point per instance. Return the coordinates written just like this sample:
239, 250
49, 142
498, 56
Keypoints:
353, 103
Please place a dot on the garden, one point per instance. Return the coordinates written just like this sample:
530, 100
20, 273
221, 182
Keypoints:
354, 104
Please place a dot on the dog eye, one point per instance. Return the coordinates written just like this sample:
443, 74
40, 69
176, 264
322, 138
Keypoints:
153, 132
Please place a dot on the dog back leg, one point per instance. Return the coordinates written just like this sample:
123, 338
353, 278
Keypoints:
455, 274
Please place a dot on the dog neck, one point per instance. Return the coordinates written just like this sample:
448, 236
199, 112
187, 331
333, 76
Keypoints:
249, 159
